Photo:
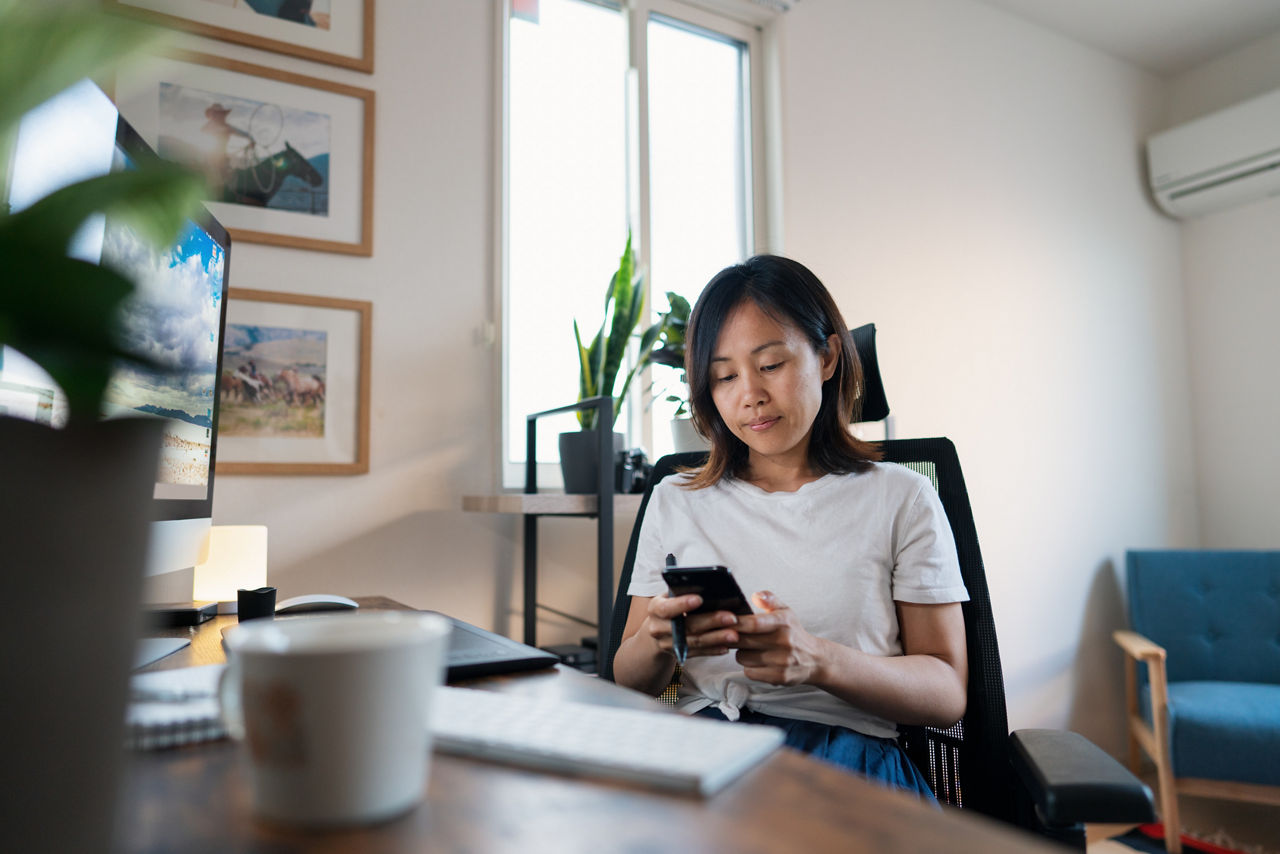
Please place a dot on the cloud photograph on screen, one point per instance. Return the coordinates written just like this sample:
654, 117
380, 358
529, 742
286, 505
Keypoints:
174, 306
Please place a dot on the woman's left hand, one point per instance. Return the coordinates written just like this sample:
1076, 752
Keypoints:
773, 647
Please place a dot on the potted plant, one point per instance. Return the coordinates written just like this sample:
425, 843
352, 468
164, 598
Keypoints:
600, 362
670, 352
74, 502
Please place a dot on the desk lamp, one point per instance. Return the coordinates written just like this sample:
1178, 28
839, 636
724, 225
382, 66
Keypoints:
236, 559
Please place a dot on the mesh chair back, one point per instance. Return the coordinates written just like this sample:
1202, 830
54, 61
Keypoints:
967, 765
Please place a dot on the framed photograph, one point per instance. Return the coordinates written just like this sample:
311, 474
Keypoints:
293, 397
289, 158
339, 32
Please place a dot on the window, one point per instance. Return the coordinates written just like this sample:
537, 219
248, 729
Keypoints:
640, 117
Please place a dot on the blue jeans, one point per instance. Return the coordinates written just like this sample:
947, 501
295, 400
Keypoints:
878, 759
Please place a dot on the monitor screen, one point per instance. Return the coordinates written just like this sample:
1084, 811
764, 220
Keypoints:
176, 315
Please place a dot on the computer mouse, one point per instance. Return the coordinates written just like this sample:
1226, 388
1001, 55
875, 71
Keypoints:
315, 602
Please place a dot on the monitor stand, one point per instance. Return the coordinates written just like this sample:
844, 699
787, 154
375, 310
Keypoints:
154, 649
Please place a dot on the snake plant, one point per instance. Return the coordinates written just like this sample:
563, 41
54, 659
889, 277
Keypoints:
602, 358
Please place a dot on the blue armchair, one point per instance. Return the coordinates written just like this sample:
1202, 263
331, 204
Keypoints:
1206, 708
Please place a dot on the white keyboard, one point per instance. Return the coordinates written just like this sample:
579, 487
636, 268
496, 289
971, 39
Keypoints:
668, 751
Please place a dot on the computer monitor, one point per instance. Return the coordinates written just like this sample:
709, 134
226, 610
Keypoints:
177, 314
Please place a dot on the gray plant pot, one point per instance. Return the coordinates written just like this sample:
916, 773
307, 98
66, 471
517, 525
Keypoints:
685, 438
75, 508
580, 460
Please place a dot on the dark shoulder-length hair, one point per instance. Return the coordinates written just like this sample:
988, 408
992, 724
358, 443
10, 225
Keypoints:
788, 292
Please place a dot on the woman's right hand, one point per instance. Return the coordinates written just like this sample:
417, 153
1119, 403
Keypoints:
645, 659
707, 634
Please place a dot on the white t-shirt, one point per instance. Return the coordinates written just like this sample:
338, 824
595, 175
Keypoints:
838, 551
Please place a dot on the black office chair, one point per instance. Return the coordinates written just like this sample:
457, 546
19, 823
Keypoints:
1049, 781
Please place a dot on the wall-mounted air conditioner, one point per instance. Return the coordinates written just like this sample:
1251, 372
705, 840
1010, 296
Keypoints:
1218, 161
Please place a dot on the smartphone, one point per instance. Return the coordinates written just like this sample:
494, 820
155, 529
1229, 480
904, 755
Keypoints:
715, 584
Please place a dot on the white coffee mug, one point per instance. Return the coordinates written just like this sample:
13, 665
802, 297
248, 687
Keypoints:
334, 712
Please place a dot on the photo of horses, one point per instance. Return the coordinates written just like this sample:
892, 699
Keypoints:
273, 382
312, 13
252, 152
294, 385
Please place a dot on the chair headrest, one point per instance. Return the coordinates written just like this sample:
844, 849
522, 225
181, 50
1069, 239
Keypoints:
874, 405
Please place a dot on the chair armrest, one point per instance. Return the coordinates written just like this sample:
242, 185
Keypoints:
1139, 647
1071, 780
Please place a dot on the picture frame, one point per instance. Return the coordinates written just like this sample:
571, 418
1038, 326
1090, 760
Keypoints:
293, 395
288, 158
342, 36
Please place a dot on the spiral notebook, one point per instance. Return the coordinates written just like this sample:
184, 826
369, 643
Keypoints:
168, 708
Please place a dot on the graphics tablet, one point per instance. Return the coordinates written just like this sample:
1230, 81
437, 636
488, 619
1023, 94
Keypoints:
475, 652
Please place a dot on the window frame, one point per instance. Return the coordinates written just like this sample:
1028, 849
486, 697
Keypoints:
739, 21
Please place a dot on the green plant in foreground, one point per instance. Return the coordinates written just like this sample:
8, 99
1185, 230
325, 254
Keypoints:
601, 361
62, 312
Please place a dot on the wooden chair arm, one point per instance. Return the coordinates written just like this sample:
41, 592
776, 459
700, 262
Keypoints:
1150, 731
1139, 647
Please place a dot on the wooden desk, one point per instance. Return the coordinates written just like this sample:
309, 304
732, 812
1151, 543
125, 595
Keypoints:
195, 799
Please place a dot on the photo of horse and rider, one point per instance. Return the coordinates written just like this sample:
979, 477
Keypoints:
272, 383
252, 152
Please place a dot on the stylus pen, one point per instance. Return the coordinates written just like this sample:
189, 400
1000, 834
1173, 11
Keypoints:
679, 643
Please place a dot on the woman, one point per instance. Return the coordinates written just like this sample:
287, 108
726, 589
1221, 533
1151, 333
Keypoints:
857, 625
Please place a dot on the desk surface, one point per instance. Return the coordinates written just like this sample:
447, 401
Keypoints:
195, 798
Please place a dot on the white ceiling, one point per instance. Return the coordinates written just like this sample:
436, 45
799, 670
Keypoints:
1166, 37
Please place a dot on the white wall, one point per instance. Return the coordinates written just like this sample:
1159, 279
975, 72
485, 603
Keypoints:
972, 184
399, 530
1237, 76
1231, 261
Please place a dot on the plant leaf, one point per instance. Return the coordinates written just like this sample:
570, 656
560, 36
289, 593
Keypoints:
59, 311
646, 346
45, 47
668, 357
588, 381
621, 296
677, 319
622, 395
679, 307
647, 339
586, 378
71, 337
595, 355
155, 199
